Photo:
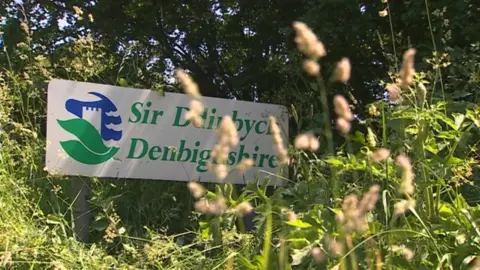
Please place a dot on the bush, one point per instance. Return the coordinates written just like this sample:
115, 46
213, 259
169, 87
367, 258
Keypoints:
393, 188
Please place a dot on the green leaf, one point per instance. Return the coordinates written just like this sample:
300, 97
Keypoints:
447, 135
412, 130
404, 114
371, 138
128, 248
454, 160
459, 118
359, 137
445, 119
446, 211
474, 117
53, 219
461, 202
294, 113
204, 229
334, 162
122, 82
100, 225
432, 147
442, 145
469, 259
160, 92
228, 193
460, 94
299, 224
260, 262
299, 254
436, 126
246, 262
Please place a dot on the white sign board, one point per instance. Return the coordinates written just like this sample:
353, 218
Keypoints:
108, 131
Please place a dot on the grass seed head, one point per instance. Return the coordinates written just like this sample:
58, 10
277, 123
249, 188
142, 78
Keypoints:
380, 154
394, 92
343, 125
408, 254
291, 216
244, 208
403, 206
245, 164
318, 255
343, 70
307, 141
407, 71
196, 189
342, 108
221, 171
404, 162
189, 86
335, 247
78, 10
311, 67
369, 199
278, 141
307, 41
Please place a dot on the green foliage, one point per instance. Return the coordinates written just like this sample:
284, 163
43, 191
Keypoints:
244, 50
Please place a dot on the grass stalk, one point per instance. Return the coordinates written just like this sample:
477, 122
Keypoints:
267, 237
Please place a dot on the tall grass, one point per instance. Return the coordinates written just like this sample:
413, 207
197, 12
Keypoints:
386, 199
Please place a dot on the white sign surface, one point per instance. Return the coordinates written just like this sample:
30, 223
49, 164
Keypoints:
109, 131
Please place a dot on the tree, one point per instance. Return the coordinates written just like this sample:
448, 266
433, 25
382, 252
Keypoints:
245, 50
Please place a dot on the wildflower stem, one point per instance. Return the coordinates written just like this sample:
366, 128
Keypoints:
437, 201
326, 115
379, 234
384, 143
6, 53
428, 231
327, 131
226, 261
384, 127
393, 36
350, 150
216, 231
472, 221
283, 256
353, 256
267, 234
429, 197
387, 225
428, 193
438, 71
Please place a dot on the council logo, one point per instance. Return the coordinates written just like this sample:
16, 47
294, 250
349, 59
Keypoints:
97, 127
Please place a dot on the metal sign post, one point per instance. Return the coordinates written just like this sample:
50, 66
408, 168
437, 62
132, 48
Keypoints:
82, 215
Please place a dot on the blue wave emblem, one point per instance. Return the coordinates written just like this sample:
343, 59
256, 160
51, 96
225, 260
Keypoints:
109, 117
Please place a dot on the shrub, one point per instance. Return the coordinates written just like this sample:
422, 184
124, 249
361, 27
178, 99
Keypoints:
393, 188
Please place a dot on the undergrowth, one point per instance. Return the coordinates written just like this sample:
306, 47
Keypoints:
395, 192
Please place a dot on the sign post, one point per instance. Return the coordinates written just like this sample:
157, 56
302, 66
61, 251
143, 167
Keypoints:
81, 194
99, 130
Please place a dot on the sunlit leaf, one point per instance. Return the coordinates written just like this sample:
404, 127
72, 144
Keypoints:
459, 118
299, 254
122, 82
299, 224
445, 119
53, 219
447, 135
334, 162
